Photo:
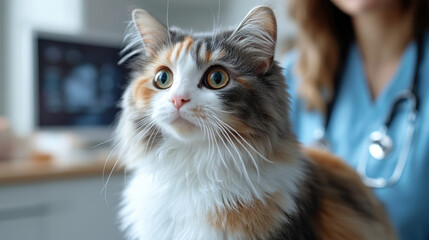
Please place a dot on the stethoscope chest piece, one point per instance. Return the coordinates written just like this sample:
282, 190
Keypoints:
380, 145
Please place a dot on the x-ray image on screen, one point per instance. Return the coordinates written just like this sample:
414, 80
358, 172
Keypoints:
79, 84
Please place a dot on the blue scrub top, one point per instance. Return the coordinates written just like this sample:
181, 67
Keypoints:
356, 115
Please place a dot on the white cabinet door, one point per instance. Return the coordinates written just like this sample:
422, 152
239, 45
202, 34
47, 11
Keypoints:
24, 223
66, 210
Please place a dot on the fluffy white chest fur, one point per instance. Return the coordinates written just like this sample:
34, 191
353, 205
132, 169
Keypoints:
173, 193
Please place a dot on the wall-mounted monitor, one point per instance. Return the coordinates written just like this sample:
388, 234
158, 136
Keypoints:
78, 82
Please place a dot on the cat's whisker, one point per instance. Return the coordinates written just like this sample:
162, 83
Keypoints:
201, 126
214, 20
140, 132
154, 133
218, 18
244, 169
105, 164
130, 55
223, 128
205, 133
226, 136
222, 111
245, 148
213, 137
168, 24
149, 132
250, 155
104, 189
107, 141
146, 130
108, 178
142, 120
216, 144
242, 138
221, 123
240, 170
210, 141
107, 160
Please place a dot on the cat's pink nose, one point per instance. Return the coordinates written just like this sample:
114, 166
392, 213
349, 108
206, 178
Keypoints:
179, 101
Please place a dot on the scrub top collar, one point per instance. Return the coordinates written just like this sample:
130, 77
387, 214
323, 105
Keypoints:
400, 80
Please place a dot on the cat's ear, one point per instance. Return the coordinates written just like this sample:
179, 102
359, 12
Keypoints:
257, 33
153, 33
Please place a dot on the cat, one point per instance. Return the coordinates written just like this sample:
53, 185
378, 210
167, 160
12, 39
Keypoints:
204, 129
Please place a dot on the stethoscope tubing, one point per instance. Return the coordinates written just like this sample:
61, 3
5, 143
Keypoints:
407, 95
399, 168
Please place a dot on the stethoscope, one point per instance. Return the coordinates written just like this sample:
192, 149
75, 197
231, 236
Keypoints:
380, 144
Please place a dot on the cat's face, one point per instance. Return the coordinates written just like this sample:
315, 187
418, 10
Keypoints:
198, 87
182, 87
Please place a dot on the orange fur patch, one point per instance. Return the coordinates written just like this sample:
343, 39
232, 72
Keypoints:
208, 56
179, 49
168, 54
252, 219
243, 82
143, 91
333, 164
221, 54
188, 42
336, 219
337, 222
240, 127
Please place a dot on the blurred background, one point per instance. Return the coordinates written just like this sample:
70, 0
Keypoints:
59, 88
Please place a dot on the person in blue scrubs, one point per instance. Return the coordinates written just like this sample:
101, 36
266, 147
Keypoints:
368, 50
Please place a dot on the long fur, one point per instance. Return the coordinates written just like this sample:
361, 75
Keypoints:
226, 165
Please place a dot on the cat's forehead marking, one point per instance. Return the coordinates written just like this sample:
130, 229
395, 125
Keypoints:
188, 42
210, 56
201, 50
179, 49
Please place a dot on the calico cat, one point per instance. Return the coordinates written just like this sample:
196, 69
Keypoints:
205, 130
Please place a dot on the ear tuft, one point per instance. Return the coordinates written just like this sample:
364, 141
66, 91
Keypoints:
257, 33
153, 33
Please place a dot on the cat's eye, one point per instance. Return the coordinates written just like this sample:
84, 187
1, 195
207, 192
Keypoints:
217, 78
163, 78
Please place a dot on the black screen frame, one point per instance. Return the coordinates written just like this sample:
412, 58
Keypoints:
90, 41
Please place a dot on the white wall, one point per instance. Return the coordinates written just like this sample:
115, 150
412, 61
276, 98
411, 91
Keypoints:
23, 18
2, 59
111, 15
104, 19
